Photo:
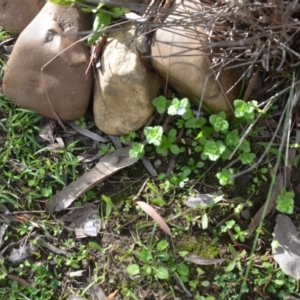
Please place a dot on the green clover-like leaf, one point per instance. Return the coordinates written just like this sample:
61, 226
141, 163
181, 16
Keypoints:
137, 150
285, 201
214, 149
154, 135
232, 138
219, 122
244, 109
225, 176
161, 104
247, 158
180, 107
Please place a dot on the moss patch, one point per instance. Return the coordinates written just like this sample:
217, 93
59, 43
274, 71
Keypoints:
203, 246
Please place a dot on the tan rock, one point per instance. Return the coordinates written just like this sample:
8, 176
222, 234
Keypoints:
15, 15
62, 88
124, 88
178, 55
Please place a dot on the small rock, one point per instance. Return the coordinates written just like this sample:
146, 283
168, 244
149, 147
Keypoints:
178, 55
62, 88
15, 15
124, 87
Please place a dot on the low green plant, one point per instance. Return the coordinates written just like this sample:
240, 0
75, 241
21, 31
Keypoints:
45, 285
81, 122
104, 149
232, 280
193, 166
156, 263
130, 137
285, 201
154, 135
109, 206
151, 261
169, 143
240, 234
245, 110
24, 162
213, 140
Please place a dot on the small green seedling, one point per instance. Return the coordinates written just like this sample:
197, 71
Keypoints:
168, 143
219, 122
285, 201
246, 110
154, 135
150, 262
225, 176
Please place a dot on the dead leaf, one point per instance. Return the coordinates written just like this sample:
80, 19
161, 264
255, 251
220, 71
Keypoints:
147, 164
61, 143
116, 141
85, 132
22, 253
41, 241
75, 297
19, 280
78, 273
149, 210
89, 228
202, 200
203, 261
112, 295
85, 219
287, 254
2, 232
108, 165
80, 214
97, 291
46, 131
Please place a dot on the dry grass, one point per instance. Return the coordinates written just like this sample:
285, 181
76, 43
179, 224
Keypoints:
253, 35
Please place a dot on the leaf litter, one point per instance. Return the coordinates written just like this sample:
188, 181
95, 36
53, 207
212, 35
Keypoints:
149, 210
108, 165
287, 252
85, 219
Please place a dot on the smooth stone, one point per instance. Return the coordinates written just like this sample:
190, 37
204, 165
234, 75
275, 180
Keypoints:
124, 87
49, 42
15, 15
179, 57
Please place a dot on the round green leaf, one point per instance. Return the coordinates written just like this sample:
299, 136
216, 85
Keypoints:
162, 245
133, 269
162, 273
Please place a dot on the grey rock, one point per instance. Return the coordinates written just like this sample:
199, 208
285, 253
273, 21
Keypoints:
62, 88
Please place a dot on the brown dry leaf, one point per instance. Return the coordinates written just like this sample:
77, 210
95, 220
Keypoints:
149, 210
108, 165
19, 280
112, 295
